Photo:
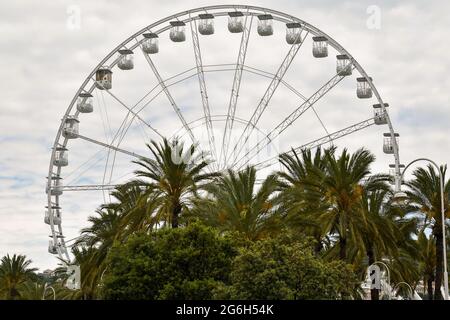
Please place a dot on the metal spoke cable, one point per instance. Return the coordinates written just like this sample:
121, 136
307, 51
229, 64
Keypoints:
293, 116
203, 88
320, 141
130, 153
169, 96
264, 102
235, 89
129, 109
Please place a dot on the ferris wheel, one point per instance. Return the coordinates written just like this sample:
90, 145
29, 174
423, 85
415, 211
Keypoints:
129, 99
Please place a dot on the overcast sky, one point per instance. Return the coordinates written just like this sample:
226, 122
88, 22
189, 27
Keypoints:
48, 48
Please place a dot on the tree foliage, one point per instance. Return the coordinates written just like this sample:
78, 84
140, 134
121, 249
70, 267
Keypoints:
286, 268
184, 263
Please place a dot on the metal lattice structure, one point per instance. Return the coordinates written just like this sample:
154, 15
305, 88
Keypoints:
203, 22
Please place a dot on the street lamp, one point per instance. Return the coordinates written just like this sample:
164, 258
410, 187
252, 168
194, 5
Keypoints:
411, 291
45, 290
401, 197
388, 275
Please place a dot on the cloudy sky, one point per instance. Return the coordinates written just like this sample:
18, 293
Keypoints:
47, 51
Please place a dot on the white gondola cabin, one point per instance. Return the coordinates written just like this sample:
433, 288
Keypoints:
56, 186
103, 78
126, 59
363, 89
206, 24
265, 25
52, 248
380, 117
84, 103
70, 129
235, 22
293, 33
388, 143
343, 65
53, 214
150, 44
320, 47
177, 31
61, 157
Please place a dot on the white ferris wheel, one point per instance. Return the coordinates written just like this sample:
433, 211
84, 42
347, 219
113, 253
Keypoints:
203, 96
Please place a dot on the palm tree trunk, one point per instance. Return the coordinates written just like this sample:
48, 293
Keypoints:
175, 214
374, 293
318, 245
430, 288
343, 249
439, 262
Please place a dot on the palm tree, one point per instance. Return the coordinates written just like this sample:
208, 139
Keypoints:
342, 185
135, 207
234, 204
172, 178
425, 194
427, 249
87, 258
35, 290
92, 247
14, 271
300, 205
376, 234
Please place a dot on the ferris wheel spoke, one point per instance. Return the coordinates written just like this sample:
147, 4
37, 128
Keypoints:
203, 90
130, 110
291, 118
173, 80
146, 104
267, 97
101, 187
103, 144
169, 96
235, 88
322, 140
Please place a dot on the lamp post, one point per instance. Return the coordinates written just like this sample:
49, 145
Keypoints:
45, 290
388, 275
400, 196
411, 292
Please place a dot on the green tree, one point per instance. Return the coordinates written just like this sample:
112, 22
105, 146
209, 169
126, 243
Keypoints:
35, 290
183, 263
92, 247
14, 271
427, 249
342, 185
235, 204
285, 268
425, 194
301, 204
376, 233
172, 178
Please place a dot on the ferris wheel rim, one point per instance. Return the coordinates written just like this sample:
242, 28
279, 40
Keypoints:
56, 229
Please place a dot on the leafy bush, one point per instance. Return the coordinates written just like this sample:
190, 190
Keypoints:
183, 263
196, 262
284, 268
